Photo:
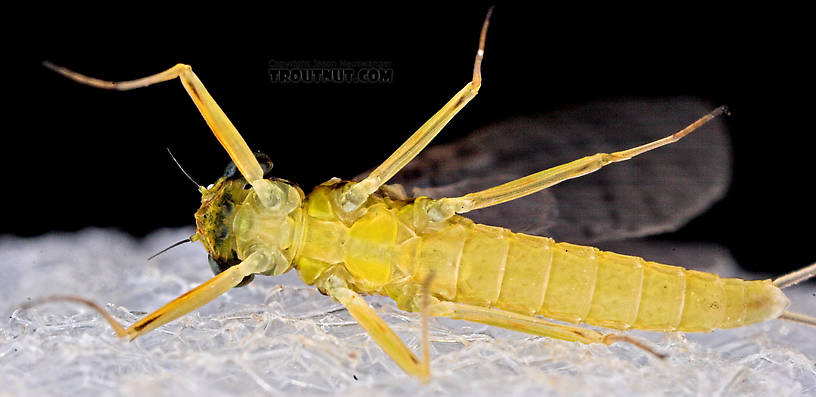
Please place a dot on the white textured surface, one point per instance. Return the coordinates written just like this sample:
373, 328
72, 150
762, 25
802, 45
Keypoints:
271, 338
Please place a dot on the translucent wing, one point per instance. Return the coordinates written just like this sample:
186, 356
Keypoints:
656, 192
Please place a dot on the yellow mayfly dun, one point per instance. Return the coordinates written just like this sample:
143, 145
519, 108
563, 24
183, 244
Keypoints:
352, 238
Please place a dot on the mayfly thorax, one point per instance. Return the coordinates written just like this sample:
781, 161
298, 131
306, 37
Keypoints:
352, 238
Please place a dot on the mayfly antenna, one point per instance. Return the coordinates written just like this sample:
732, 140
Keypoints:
200, 188
187, 240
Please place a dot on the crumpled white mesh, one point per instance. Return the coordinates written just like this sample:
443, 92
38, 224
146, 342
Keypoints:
279, 336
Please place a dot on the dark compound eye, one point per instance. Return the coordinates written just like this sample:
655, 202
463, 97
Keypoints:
265, 162
230, 171
266, 165
217, 268
245, 281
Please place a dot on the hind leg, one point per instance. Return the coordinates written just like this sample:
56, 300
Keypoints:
531, 325
444, 208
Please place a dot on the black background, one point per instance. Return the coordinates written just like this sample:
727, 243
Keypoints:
75, 156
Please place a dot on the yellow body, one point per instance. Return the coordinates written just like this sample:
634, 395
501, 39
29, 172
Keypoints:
389, 246
350, 238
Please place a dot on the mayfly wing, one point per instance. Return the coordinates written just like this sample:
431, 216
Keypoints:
654, 193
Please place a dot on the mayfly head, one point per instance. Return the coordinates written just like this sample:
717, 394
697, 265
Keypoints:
231, 221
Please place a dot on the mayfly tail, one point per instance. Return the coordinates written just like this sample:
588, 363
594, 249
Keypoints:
118, 328
796, 277
791, 279
798, 318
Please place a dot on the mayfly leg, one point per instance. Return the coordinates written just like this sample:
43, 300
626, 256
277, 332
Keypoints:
218, 122
383, 335
358, 193
443, 208
189, 301
378, 329
532, 325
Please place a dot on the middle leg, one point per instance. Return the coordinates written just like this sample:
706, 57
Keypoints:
357, 194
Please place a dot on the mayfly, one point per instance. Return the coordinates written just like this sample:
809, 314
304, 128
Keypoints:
355, 238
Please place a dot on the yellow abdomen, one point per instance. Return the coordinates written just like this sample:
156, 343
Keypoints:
389, 248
